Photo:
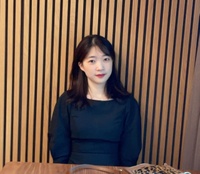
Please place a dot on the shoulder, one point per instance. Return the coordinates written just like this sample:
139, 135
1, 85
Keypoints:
129, 99
66, 94
62, 105
63, 98
131, 102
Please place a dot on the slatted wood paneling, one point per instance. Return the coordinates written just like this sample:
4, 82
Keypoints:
155, 43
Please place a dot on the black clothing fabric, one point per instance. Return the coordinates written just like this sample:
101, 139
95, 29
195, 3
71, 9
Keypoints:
104, 133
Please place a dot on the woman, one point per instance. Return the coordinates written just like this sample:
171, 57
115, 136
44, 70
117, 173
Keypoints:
96, 121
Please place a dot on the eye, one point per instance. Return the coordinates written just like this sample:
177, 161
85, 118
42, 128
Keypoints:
91, 61
107, 59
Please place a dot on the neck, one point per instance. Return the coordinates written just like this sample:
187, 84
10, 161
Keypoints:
97, 92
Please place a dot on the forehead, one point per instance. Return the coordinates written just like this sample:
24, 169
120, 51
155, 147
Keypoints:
95, 51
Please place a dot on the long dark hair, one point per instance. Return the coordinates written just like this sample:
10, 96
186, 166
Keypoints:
78, 87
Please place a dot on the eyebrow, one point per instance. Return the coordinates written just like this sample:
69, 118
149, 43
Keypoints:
96, 56
91, 57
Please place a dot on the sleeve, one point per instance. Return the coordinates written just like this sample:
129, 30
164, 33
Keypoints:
59, 132
131, 143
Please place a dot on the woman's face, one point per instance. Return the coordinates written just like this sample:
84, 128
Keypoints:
97, 66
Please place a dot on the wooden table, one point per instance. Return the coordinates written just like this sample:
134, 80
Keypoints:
47, 168
35, 168
44, 168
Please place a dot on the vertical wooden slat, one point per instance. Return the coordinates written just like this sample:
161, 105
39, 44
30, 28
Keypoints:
70, 51
39, 69
44, 115
132, 45
95, 16
104, 9
17, 103
55, 40
87, 19
124, 41
32, 80
9, 75
138, 51
28, 49
63, 60
80, 21
2, 79
21, 61
25, 80
110, 20
47, 76
117, 31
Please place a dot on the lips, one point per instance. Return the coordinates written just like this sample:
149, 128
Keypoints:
100, 75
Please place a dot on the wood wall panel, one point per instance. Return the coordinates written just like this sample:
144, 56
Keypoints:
2, 79
155, 43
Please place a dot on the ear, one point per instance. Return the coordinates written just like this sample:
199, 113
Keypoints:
80, 64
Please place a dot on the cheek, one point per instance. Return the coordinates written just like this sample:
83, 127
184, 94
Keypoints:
110, 66
88, 71
109, 70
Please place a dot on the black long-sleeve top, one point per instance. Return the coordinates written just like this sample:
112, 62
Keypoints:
103, 133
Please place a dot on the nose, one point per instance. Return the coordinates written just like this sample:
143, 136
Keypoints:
100, 65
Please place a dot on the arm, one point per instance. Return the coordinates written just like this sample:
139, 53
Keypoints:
130, 145
59, 132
